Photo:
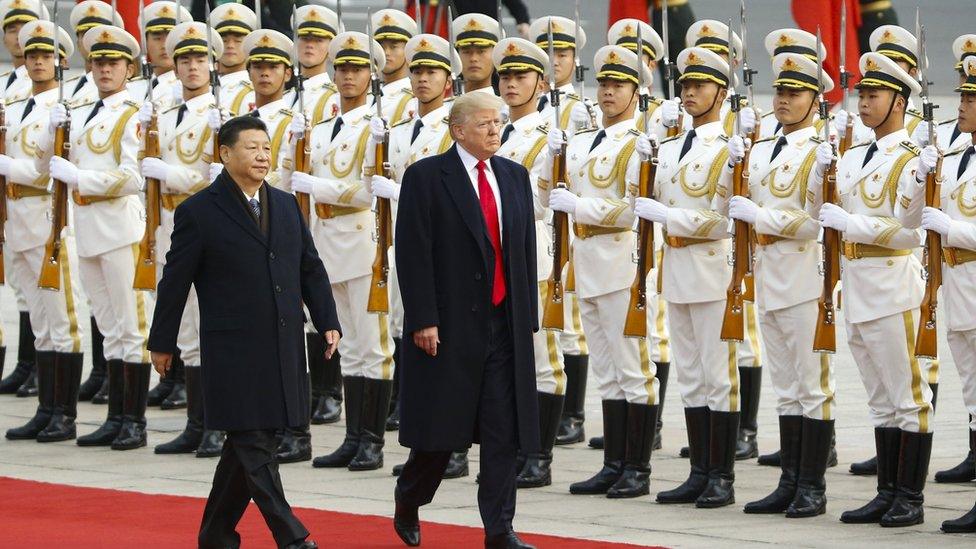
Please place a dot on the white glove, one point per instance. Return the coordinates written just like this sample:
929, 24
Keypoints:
155, 168
296, 128
562, 200
504, 113
743, 209
840, 122
215, 169
670, 110
384, 187
921, 134
833, 216
301, 182
646, 144
64, 171
214, 119
556, 140
377, 129
825, 155
737, 148
926, 162
936, 220
651, 210
5, 162
747, 120
58, 116
580, 116
145, 113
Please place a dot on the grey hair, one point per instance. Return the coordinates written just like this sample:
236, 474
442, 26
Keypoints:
469, 103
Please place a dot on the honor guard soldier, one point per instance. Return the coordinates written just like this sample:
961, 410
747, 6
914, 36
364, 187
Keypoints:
158, 20
15, 85
85, 15
957, 225
874, 14
624, 33
317, 27
475, 35
234, 22
182, 169
788, 285
950, 138
882, 282
691, 189
603, 173
565, 49
103, 177
392, 29
53, 315
790, 41
521, 67
342, 226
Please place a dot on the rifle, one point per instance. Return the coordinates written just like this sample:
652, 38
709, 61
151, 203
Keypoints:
303, 149
845, 80
498, 18
747, 75
825, 336
552, 317
50, 275
670, 68
732, 321
418, 16
379, 293
457, 77
926, 341
3, 185
145, 276
581, 68
258, 12
215, 87
636, 322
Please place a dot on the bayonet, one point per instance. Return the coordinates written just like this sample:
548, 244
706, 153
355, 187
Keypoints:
580, 67
299, 77
644, 100
747, 73
214, 76
58, 70
257, 11
668, 68
845, 76
457, 79
147, 69
553, 89
342, 25
498, 18
418, 15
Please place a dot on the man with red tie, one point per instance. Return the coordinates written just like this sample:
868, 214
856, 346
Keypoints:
466, 260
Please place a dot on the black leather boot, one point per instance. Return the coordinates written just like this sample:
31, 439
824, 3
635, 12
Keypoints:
635, 480
913, 467
771, 459
162, 389
614, 450
96, 378
536, 472
457, 466
790, 430
328, 407
16, 378
67, 380
376, 407
26, 353
811, 499
750, 386
596, 443
965, 471
104, 435
295, 445
353, 387
132, 435
98, 355
887, 441
393, 418
176, 399
663, 369
865, 468
571, 427
697, 424
723, 431
965, 524
189, 440
45, 395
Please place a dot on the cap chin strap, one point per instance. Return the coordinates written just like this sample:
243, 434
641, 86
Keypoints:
531, 98
891, 107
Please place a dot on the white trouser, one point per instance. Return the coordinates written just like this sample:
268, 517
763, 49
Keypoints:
706, 370
748, 354
572, 340
396, 303
16, 286
53, 315
624, 369
366, 347
963, 348
803, 380
122, 313
188, 338
549, 375
898, 390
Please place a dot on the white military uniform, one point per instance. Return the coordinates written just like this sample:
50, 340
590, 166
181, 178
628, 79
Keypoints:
82, 89
166, 89
277, 116
398, 101
321, 99
236, 93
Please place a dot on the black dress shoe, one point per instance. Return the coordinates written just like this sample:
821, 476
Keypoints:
211, 444
295, 446
29, 387
962, 525
406, 522
867, 467
596, 443
770, 460
457, 467
328, 409
397, 469
509, 540
965, 471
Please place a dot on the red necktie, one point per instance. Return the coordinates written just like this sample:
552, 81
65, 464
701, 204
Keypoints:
490, 211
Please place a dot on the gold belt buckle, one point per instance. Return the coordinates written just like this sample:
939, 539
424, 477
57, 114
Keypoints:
852, 250
949, 256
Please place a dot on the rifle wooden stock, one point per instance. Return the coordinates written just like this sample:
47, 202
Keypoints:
926, 341
3, 190
635, 324
145, 276
825, 336
749, 293
552, 315
733, 325
845, 142
302, 153
676, 129
50, 276
379, 293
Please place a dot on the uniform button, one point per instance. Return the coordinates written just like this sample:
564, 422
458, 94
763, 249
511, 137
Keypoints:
711, 252
890, 263
477, 276
282, 322
278, 289
802, 248
272, 255
474, 308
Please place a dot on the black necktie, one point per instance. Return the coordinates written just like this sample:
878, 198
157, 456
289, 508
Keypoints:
416, 130
871, 150
336, 127
955, 134
687, 145
180, 113
965, 161
779, 126
10, 79
81, 84
598, 139
154, 82
509, 128
780, 143
543, 101
27, 109
94, 111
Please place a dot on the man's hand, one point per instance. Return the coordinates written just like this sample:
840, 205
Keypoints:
427, 340
161, 362
331, 343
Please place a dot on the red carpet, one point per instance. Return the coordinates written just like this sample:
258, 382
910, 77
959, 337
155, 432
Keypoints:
39, 513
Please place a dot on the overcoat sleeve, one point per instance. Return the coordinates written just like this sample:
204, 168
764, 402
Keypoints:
316, 288
182, 262
414, 243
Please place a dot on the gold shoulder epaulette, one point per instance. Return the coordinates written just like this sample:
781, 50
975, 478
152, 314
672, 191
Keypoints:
286, 112
83, 104
13, 100
816, 139
403, 122
131, 103
633, 132
543, 128
573, 96
912, 147
672, 138
852, 147
587, 130
915, 112
955, 152
657, 101
758, 141
138, 78
173, 108
326, 120
723, 137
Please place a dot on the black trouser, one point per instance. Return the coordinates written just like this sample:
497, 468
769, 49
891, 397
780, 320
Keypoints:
247, 470
496, 423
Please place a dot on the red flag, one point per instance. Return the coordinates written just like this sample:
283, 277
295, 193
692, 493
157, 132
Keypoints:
627, 9
809, 14
429, 11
